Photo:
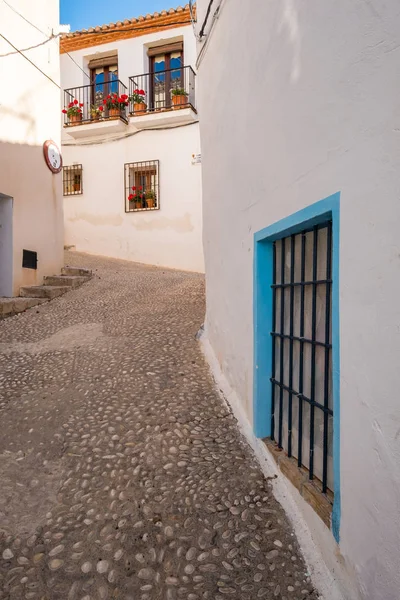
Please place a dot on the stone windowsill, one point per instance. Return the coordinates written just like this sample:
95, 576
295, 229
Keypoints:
309, 490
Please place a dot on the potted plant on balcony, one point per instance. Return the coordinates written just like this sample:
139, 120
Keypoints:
73, 112
150, 197
179, 98
138, 98
136, 199
116, 104
96, 112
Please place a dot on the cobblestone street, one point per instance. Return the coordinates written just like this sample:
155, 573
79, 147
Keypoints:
122, 473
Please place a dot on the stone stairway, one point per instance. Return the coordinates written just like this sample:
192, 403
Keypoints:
53, 286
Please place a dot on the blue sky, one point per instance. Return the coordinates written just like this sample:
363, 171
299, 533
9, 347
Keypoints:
81, 14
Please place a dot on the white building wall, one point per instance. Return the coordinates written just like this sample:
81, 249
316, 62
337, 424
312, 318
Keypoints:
30, 115
96, 221
300, 100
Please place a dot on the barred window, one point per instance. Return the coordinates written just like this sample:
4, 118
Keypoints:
142, 186
302, 402
72, 180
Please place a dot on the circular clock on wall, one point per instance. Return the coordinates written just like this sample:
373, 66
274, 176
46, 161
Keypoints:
52, 155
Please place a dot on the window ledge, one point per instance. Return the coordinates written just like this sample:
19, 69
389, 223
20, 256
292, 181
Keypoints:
321, 503
161, 118
96, 128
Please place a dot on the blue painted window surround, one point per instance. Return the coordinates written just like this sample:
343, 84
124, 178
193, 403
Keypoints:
317, 213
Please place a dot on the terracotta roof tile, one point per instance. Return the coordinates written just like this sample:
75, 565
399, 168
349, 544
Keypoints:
103, 34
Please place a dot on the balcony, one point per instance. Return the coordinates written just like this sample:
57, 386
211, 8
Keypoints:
90, 115
162, 98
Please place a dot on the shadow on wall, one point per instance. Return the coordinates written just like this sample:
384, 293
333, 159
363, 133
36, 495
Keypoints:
37, 210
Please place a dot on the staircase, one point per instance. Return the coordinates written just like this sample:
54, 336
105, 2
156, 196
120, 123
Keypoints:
53, 286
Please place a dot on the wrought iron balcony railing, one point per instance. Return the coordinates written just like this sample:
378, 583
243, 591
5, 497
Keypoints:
163, 90
89, 99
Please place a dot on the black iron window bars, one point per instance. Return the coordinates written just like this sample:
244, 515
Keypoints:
72, 180
302, 412
142, 190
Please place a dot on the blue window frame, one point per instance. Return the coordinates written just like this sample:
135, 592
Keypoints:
311, 217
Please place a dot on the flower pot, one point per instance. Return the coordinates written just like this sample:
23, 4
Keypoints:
139, 107
113, 112
138, 205
77, 187
150, 202
75, 118
179, 101
95, 117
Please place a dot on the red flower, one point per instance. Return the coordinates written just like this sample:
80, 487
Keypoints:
109, 96
134, 188
142, 92
64, 111
140, 187
70, 105
101, 108
104, 101
136, 92
76, 102
124, 97
113, 100
81, 105
130, 197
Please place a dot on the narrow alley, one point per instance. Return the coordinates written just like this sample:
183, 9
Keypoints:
124, 475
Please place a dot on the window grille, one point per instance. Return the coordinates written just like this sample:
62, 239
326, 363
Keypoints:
72, 180
142, 186
302, 403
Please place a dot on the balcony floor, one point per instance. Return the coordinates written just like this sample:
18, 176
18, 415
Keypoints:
96, 128
161, 118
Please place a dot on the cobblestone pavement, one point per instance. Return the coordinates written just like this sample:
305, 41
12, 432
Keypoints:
122, 473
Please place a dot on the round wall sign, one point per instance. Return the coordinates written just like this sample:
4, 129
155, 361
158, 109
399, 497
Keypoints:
52, 155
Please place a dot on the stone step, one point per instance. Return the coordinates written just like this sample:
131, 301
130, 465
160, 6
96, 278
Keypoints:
43, 291
76, 271
12, 306
72, 281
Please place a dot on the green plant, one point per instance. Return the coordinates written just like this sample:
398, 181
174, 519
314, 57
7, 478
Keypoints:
96, 111
74, 109
138, 195
115, 101
150, 195
138, 97
179, 92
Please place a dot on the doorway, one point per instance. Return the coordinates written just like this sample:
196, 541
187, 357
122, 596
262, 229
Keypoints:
6, 246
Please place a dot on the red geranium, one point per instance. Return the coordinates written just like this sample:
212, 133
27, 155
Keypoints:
138, 97
101, 108
131, 197
134, 187
74, 109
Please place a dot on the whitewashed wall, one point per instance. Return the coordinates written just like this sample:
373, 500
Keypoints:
96, 222
299, 100
29, 115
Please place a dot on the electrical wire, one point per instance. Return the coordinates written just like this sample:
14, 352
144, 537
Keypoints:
29, 60
31, 47
201, 33
109, 140
52, 37
193, 20
24, 18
